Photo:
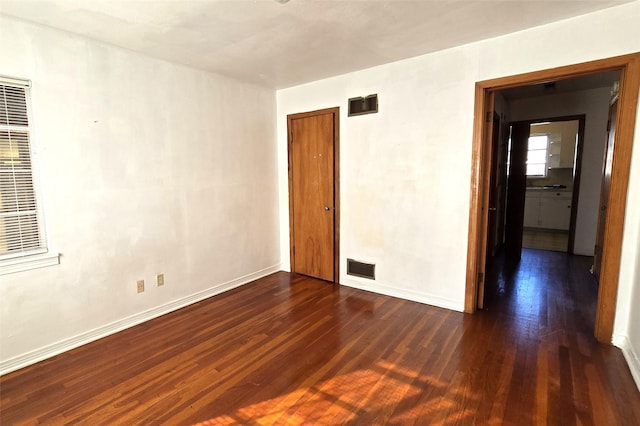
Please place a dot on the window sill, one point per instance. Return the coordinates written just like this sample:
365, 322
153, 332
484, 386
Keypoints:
26, 263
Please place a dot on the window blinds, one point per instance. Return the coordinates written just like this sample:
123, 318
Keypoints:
20, 223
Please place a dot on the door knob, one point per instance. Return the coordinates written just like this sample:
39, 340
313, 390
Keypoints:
327, 208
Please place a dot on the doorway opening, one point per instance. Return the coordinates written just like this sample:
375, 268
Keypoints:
553, 163
553, 175
628, 67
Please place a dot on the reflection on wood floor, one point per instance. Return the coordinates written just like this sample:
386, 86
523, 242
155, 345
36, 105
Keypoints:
288, 349
545, 239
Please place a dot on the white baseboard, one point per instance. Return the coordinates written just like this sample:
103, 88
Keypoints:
21, 361
633, 361
427, 299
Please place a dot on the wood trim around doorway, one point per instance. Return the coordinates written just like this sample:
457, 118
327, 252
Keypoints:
629, 67
336, 183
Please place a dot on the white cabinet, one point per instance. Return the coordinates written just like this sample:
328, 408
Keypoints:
532, 209
547, 209
555, 210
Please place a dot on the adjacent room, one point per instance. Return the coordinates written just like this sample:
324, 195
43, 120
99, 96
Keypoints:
319, 212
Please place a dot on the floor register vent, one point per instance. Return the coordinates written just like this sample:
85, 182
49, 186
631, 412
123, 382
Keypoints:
361, 269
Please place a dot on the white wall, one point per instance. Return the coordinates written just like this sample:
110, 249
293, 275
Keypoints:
595, 105
632, 352
626, 333
146, 167
405, 172
404, 175
628, 338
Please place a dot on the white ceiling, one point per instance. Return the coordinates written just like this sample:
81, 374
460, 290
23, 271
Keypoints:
282, 45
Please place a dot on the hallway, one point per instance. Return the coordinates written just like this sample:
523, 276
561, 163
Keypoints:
549, 287
546, 305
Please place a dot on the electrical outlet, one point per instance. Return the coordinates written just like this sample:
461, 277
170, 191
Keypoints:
160, 280
140, 286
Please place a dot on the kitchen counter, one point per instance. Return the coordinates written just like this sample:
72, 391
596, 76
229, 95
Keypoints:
548, 189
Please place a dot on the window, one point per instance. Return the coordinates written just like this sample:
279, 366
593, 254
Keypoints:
537, 156
22, 236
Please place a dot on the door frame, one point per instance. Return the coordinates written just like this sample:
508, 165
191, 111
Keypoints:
629, 67
335, 111
605, 186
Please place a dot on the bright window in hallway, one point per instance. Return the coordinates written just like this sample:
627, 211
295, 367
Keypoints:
537, 156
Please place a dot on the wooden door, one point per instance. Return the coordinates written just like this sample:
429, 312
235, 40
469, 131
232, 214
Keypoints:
312, 192
489, 218
605, 188
516, 191
501, 181
575, 198
494, 192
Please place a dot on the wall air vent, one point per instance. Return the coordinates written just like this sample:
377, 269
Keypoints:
361, 269
359, 106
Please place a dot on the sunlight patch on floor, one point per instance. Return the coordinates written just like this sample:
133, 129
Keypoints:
336, 398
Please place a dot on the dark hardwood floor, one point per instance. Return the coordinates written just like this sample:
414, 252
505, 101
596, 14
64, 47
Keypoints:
288, 349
